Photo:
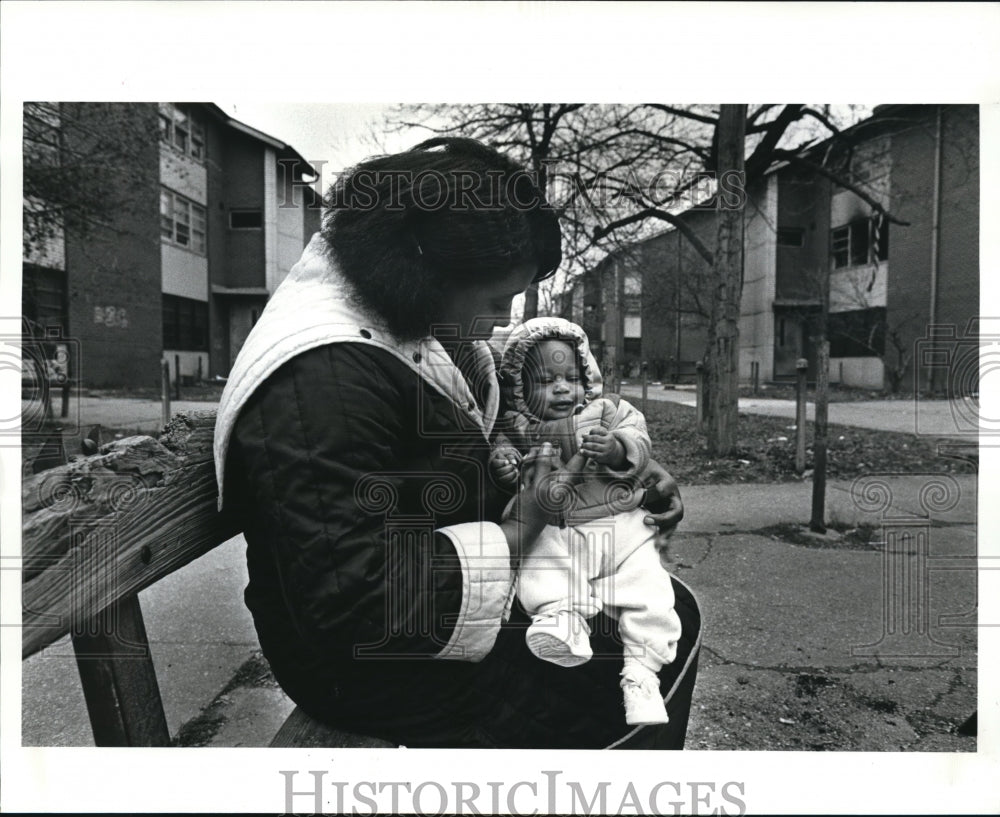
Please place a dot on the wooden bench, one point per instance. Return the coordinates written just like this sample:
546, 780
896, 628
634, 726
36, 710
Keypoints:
99, 529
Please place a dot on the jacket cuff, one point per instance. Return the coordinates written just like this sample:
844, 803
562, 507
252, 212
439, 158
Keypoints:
487, 588
637, 452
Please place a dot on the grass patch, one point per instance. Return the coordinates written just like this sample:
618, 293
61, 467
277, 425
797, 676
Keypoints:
766, 450
206, 392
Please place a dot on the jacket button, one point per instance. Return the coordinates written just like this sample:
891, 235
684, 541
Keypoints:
417, 357
366, 334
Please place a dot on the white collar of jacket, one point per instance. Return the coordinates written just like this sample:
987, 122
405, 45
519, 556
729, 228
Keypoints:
311, 308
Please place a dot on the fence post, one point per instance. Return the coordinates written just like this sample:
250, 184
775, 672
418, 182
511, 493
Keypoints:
801, 365
177, 377
699, 393
645, 384
165, 390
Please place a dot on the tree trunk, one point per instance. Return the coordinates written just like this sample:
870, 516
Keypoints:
531, 302
722, 359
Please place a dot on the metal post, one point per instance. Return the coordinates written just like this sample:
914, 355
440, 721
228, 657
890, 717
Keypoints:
800, 415
645, 384
817, 522
165, 390
699, 392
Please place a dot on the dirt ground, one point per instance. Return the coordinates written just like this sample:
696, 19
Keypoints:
770, 710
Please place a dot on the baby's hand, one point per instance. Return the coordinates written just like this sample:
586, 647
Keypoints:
505, 462
602, 446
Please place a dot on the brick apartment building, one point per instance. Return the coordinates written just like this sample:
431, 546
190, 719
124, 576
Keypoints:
206, 217
888, 282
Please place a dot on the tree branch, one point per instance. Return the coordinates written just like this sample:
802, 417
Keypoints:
697, 117
840, 180
662, 215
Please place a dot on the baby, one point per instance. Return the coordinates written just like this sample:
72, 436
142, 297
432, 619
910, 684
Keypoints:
604, 556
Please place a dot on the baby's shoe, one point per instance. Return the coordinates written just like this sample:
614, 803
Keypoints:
643, 702
563, 638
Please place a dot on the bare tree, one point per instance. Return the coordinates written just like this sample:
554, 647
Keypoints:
596, 162
84, 164
722, 358
625, 170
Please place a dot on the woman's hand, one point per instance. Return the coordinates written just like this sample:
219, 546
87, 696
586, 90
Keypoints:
663, 501
505, 466
602, 446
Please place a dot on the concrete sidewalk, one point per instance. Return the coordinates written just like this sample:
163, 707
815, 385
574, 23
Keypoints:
785, 630
931, 418
129, 415
814, 646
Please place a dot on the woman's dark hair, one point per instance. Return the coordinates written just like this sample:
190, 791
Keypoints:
406, 229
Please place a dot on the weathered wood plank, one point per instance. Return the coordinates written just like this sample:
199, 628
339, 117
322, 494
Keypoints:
104, 527
303, 732
119, 679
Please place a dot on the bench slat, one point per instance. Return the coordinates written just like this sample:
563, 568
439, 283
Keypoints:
101, 529
303, 732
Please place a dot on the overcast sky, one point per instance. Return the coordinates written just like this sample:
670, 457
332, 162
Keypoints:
338, 134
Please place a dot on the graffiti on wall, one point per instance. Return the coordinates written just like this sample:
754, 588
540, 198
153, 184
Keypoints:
114, 317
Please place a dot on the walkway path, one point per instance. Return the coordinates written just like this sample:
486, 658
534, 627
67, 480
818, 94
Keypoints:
934, 418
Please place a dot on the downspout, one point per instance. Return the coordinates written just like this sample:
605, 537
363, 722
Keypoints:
935, 236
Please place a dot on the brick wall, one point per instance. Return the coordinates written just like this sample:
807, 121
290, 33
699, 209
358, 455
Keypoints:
114, 274
243, 169
909, 286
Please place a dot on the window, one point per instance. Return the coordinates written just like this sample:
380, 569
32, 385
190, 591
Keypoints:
790, 236
858, 333
246, 219
182, 131
855, 243
182, 222
185, 324
632, 283
632, 326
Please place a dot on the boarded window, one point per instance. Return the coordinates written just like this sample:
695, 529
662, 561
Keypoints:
185, 324
246, 219
858, 333
790, 236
